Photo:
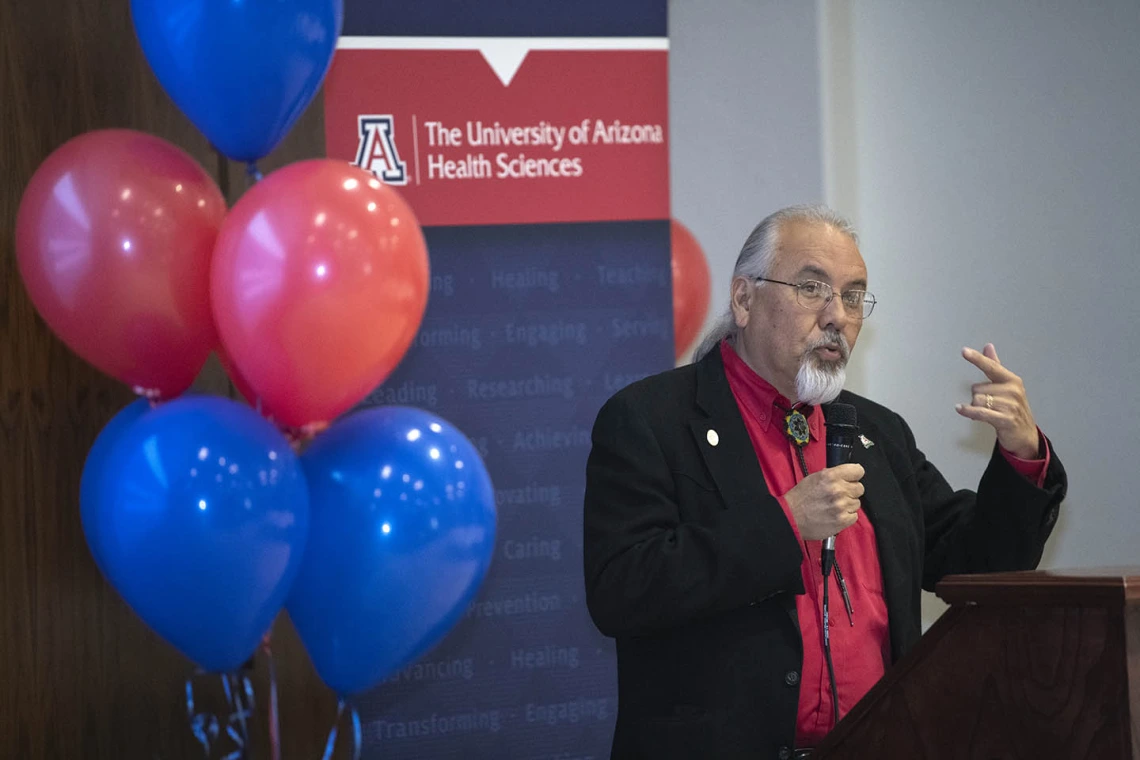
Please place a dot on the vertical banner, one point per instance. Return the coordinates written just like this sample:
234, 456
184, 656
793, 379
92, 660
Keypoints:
531, 141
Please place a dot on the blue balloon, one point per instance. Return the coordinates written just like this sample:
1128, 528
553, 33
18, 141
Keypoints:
403, 529
95, 467
200, 513
242, 70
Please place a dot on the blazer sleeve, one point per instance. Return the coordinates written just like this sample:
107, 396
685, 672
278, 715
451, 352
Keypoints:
1002, 527
646, 570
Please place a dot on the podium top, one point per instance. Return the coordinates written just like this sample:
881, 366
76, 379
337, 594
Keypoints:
1084, 587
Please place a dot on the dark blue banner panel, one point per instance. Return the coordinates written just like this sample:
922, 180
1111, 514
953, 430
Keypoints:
506, 18
529, 329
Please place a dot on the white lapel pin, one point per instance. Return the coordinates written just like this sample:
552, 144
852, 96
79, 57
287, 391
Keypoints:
713, 438
867, 442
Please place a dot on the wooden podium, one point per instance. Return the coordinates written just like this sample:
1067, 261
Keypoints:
1023, 666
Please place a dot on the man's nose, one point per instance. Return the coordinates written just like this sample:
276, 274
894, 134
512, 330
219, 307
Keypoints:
834, 315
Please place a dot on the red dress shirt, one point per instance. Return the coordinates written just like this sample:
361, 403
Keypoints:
860, 652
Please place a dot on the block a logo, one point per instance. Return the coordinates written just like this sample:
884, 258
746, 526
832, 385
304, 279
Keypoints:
377, 152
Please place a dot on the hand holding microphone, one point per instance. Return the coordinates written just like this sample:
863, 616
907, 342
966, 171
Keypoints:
826, 502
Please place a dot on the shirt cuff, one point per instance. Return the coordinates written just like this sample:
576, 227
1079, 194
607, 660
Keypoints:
1032, 470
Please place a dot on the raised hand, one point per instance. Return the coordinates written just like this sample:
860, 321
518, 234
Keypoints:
1001, 403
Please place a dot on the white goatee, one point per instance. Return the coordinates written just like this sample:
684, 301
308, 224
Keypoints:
819, 381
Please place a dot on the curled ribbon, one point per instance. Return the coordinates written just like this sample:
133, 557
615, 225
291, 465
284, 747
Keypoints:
242, 711
330, 745
206, 727
202, 725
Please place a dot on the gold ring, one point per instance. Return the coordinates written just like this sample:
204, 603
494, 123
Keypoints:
989, 401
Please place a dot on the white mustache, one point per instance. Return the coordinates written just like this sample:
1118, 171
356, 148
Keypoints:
830, 339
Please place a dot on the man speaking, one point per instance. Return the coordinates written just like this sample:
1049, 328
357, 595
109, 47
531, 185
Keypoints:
708, 501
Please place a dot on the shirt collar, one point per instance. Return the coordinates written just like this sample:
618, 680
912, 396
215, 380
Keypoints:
761, 396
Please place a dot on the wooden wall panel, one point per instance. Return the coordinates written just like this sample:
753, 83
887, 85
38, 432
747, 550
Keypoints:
80, 675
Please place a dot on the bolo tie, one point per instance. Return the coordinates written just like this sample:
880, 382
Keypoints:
798, 432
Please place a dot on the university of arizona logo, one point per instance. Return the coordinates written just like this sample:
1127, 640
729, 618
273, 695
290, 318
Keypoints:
377, 150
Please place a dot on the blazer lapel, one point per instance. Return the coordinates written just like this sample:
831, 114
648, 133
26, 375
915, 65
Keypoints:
723, 439
883, 505
732, 459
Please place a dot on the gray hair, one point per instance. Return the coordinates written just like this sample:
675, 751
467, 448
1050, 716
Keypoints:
758, 254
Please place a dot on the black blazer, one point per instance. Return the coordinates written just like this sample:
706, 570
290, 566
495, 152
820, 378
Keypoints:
691, 565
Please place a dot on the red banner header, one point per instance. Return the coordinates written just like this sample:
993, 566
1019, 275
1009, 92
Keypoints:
471, 138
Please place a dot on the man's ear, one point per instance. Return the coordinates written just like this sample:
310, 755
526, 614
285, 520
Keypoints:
741, 300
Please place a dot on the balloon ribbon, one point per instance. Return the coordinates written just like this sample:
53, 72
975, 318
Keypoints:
330, 745
274, 721
205, 726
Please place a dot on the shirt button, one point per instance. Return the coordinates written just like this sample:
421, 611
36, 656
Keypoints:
784, 753
791, 678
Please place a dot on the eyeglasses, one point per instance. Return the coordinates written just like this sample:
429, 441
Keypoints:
816, 295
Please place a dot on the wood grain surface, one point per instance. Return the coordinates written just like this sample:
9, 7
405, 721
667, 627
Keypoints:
1001, 682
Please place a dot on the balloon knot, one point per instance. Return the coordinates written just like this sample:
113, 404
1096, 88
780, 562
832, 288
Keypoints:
153, 395
298, 437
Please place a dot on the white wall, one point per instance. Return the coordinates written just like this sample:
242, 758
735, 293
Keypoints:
744, 117
996, 182
990, 154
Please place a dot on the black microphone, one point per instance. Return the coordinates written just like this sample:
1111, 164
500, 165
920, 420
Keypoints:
841, 432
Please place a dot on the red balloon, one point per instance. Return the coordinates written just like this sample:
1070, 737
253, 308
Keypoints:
691, 287
113, 241
319, 282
